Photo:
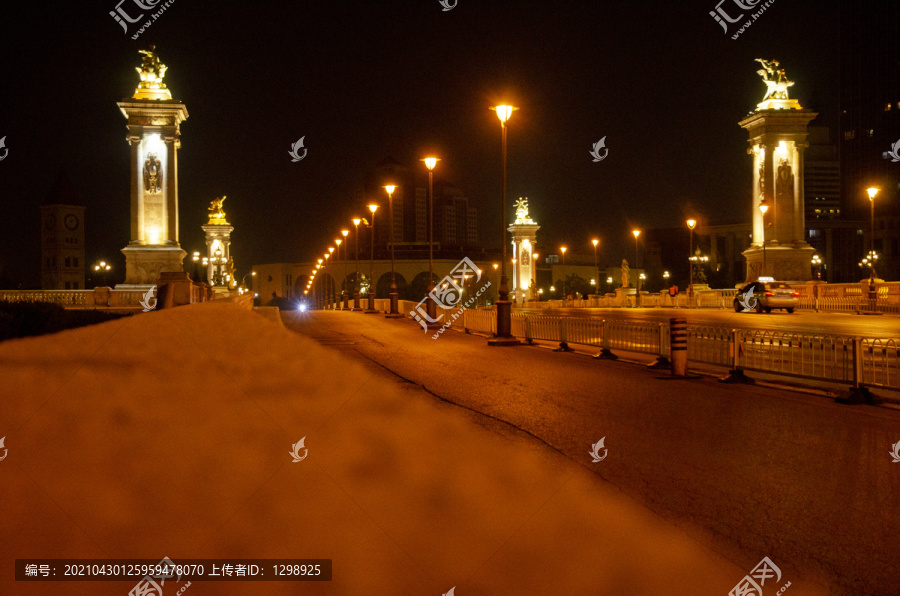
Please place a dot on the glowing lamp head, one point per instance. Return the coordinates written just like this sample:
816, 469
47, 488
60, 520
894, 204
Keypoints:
496, 265
337, 241
373, 208
636, 233
430, 162
563, 249
504, 112
356, 221
344, 233
692, 223
872, 192
595, 242
763, 208
535, 255
390, 189
320, 261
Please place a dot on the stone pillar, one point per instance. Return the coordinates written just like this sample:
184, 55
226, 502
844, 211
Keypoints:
778, 135
153, 121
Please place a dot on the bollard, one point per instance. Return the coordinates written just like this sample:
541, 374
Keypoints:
678, 335
605, 351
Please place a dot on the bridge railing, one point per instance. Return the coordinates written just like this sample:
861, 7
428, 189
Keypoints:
863, 362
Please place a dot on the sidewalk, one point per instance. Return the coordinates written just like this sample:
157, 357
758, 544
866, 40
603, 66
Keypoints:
167, 434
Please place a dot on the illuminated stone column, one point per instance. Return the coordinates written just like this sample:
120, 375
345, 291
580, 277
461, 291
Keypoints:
154, 120
778, 137
220, 272
524, 237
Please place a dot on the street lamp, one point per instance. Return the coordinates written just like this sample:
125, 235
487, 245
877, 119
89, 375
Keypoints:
373, 208
637, 289
763, 207
872, 192
345, 291
430, 306
195, 257
244, 279
817, 263
504, 307
395, 313
563, 250
356, 222
534, 264
103, 268
691, 223
595, 242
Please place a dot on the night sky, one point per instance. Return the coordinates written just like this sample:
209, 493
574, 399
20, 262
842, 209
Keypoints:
362, 81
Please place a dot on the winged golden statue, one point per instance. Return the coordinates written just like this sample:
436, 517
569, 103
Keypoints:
216, 213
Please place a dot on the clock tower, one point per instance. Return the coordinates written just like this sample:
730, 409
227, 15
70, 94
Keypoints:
62, 238
154, 135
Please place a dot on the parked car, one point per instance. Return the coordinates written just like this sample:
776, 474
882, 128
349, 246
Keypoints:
766, 295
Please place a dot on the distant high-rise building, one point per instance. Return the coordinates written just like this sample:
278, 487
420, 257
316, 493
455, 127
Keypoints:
822, 177
870, 103
62, 238
455, 221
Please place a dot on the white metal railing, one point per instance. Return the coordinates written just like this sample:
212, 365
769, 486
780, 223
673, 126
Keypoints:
837, 358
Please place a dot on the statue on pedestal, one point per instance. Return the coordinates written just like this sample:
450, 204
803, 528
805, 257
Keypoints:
774, 78
216, 213
626, 277
151, 70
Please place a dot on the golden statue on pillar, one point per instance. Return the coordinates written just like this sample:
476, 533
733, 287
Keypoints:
151, 72
216, 213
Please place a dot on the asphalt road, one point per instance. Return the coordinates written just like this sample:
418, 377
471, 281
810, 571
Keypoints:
751, 471
803, 321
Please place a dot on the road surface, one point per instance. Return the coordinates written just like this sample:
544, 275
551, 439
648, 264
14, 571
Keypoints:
756, 471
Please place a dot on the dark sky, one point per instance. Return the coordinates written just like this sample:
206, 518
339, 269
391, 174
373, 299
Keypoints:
362, 81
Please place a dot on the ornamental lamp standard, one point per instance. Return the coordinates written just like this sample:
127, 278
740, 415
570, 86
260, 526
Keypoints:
103, 268
373, 208
817, 264
356, 221
637, 289
563, 250
534, 264
595, 242
503, 336
763, 207
394, 296
691, 223
430, 306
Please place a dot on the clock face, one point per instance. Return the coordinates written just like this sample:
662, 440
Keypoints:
71, 221
50, 221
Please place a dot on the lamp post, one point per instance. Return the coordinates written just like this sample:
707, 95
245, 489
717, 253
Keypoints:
534, 264
817, 264
873, 291
872, 192
637, 285
563, 250
102, 267
321, 298
356, 222
430, 306
324, 265
195, 258
244, 279
763, 207
345, 290
394, 296
691, 223
503, 336
595, 242
373, 208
